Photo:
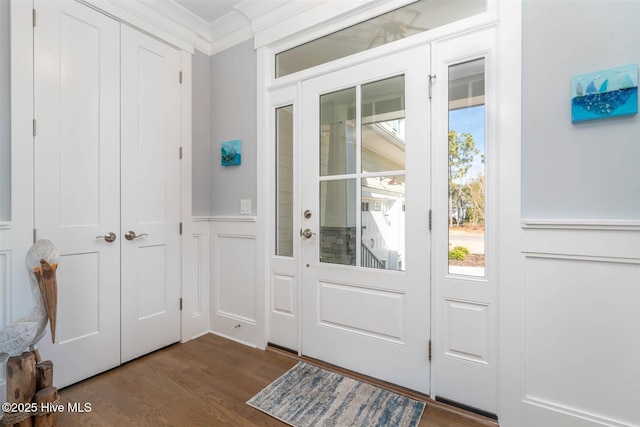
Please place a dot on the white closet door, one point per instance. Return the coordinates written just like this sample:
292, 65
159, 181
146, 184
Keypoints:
150, 115
77, 182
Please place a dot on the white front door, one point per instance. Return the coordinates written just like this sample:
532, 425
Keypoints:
77, 181
366, 240
150, 194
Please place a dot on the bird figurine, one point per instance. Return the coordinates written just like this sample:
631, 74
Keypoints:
23, 335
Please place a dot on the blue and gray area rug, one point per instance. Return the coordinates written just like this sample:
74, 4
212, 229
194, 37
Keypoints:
310, 396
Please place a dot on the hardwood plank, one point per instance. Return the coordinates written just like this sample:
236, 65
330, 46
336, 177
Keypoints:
204, 382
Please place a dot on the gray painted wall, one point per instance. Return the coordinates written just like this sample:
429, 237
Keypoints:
5, 114
233, 116
201, 122
589, 170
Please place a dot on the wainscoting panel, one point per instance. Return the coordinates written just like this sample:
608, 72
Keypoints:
236, 277
581, 316
5, 301
238, 280
196, 281
384, 318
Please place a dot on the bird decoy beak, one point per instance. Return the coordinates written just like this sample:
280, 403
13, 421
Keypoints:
48, 283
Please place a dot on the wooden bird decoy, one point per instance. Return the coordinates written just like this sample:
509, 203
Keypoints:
23, 335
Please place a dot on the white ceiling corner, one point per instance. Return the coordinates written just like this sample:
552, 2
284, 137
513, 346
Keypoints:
215, 25
212, 25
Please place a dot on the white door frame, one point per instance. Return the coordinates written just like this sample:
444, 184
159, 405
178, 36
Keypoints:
505, 16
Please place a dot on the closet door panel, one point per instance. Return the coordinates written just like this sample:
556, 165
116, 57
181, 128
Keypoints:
77, 181
150, 194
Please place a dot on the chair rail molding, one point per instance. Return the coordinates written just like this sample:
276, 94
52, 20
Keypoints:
582, 224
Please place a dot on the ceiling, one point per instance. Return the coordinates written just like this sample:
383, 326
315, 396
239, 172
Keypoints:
209, 10
211, 26
214, 25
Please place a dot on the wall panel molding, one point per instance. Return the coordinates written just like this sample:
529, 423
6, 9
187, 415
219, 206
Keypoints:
582, 224
5, 301
581, 317
226, 218
237, 283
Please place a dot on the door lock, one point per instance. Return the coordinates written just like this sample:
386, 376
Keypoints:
306, 233
307, 214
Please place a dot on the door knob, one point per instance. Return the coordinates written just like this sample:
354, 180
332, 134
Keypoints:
130, 235
109, 237
306, 233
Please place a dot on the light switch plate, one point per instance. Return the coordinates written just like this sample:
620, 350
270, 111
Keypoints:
245, 207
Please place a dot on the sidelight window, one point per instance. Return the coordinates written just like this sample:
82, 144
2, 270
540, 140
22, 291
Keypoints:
284, 181
467, 171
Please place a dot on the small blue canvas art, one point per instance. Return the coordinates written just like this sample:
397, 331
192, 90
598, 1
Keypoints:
604, 94
231, 153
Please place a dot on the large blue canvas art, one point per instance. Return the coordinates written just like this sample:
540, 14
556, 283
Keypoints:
604, 94
231, 153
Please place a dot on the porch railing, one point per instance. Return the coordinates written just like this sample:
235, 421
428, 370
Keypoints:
368, 259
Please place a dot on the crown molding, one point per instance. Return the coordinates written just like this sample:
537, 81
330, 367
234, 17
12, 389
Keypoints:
266, 21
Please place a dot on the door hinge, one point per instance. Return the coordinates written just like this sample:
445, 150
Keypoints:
180, 304
429, 350
430, 219
33, 15
34, 235
431, 79
34, 127
180, 153
181, 229
180, 77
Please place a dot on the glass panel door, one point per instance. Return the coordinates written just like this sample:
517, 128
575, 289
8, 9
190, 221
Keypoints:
365, 282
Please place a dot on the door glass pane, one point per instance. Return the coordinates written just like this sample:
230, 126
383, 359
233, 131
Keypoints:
383, 222
337, 132
467, 187
383, 125
398, 24
284, 181
338, 221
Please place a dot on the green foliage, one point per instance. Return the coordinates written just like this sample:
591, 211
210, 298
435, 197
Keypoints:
459, 253
462, 151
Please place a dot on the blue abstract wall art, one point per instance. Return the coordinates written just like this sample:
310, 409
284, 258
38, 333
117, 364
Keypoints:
604, 94
231, 153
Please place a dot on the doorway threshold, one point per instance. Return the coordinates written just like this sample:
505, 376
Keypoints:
432, 404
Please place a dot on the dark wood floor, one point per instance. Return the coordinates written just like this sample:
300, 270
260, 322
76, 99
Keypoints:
204, 382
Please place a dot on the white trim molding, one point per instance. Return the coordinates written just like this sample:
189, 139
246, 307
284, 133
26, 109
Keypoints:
582, 224
266, 22
226, 218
